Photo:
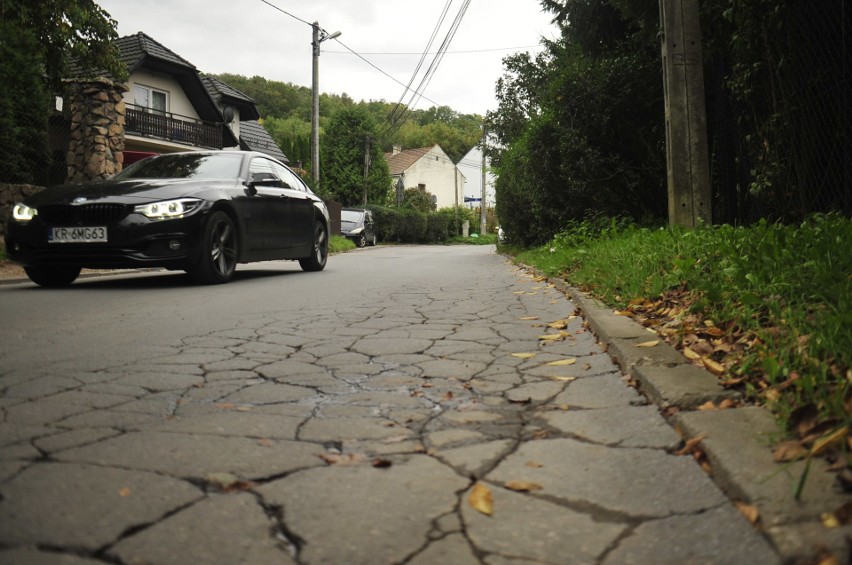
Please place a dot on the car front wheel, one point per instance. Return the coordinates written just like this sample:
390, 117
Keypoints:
362, 240
218, 258
52, 276
319, 252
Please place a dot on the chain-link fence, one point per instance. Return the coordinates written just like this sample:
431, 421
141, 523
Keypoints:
778, 111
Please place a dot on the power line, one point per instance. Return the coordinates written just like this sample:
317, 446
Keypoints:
446, 53
270, 4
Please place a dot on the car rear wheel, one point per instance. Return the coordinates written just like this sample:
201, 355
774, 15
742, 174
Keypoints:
52, 276
374, 241
218, 258
319, 252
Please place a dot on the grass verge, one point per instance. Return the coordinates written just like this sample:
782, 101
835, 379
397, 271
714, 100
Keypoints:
767, 308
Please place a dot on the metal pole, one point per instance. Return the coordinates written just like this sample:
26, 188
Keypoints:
315, 44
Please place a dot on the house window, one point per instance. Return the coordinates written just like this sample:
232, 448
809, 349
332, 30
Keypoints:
153, 100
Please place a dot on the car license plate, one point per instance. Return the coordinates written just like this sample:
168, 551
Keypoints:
78, 235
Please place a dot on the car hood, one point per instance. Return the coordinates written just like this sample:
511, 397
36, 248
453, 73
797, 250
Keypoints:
127, 191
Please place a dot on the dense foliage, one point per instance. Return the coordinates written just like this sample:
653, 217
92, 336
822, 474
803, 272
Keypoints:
37, 42
580, 128
350, 133
286, 112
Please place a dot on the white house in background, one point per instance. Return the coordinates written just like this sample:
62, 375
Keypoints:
471, 166
429, 169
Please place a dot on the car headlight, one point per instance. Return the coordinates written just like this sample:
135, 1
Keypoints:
23, 213
356, 231
168, 209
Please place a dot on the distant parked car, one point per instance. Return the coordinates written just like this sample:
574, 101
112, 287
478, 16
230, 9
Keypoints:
202, 212
358, 225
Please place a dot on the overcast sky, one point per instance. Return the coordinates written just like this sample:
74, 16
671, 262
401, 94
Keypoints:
252, 37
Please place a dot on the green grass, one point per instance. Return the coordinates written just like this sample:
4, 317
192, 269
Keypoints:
782, 293
340, 244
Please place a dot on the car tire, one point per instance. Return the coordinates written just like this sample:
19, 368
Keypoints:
52, 276
374, 241
362, 241
217, 259
319, 250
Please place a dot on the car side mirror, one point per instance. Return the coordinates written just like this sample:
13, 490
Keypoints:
251, 189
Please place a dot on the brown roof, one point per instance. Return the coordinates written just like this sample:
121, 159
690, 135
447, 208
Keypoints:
399, 163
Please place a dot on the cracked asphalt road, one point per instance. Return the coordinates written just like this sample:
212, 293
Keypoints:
336, 417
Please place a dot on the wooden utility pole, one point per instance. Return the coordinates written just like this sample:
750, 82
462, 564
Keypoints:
366, 166
483, 224
687, 156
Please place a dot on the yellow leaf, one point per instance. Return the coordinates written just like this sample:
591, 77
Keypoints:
561, 362
124, 492
653, 343
690, 354
713, 366
563, 379
558, 325
480, 499
523, 355
550, 337
829, 520
828, 441
522, 486
529, 318
534, 464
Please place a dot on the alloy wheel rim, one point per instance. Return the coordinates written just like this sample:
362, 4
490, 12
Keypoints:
222, 249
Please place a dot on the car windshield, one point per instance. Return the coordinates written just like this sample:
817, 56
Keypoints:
185, 166
351, 216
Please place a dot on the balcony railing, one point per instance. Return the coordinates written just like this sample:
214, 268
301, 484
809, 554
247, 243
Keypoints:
172, 127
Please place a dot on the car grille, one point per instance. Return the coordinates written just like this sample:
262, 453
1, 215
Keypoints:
85, 215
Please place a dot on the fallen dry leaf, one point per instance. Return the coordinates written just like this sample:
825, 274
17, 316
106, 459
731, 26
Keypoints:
563, 379
829, 520
523, 486
524, 355
828, 441
690, 354
709, 405
343, 458
447, 396
653, 343
713, 366
561, 362
265, 442
690, 445
480, 499
550, 337
529, 318
558, 325
381, 463
225, 405
792, 450
750, 511
124, 492
534, 464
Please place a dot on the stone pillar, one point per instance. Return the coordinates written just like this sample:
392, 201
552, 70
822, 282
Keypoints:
96, 149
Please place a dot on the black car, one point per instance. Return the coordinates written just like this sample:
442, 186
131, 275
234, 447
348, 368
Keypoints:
358, 225
202, 212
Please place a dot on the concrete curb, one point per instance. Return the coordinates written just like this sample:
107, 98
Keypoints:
735, 441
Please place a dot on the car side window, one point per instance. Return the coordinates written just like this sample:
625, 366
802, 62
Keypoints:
262, 169
289, 177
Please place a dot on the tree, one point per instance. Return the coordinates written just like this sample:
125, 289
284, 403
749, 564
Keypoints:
38, 41
418, 199
350, 132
